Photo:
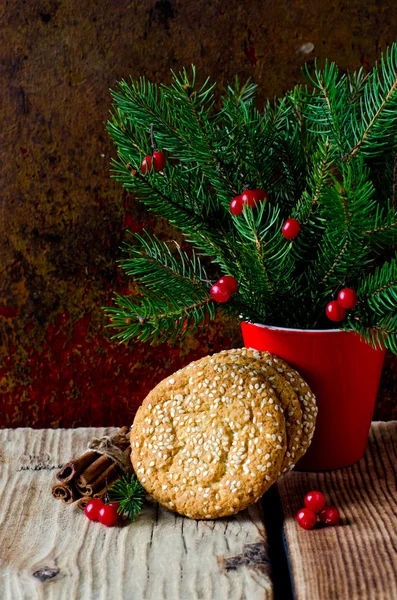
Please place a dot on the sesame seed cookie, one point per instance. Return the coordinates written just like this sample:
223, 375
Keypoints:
246, 358
204, 444
306, 398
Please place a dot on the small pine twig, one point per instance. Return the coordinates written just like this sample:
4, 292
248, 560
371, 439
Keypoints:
130, 494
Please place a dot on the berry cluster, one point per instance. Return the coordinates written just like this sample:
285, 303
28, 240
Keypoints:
225, 287
106, 514
347, 300
315, 509
250, 197
157, 161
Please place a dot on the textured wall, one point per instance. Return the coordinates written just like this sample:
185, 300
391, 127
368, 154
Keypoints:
62, 217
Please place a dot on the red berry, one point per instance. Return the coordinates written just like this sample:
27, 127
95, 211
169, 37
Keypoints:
92, 509
252, 197
159, 161
108, 515
290, 229
306, 518
330, 515
236, 206
146, 164
347, 298
229, 282
220, 293
335, 312
315, 501
260, 194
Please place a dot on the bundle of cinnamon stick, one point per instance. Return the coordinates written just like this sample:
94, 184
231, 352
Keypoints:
90, 475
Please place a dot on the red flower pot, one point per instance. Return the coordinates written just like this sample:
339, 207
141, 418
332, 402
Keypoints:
343, 372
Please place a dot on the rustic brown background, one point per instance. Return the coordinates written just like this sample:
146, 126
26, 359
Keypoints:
62, 217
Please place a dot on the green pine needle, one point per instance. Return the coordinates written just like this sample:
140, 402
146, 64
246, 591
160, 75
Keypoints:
130, 494
326, 154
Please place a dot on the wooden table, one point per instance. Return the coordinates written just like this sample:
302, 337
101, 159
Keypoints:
51, 551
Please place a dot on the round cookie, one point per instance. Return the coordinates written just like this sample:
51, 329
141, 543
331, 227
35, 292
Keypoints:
206, 445
306, 398
245, 359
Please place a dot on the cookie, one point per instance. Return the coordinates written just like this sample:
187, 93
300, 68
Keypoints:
206, 445
245, 359
306, 398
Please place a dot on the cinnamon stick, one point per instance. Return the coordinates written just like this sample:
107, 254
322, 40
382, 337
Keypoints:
83, 501
66, 492
74, 467
105, 478
93, 471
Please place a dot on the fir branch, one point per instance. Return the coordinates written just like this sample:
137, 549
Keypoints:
381, 333
130, 495
336, 261
383, 227
321, 164
318, 180
151, 262
327, 107
326, 154
157, 319
186, 96
379, 290
378, 105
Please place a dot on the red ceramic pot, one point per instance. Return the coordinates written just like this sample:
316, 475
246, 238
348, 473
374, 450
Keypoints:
343, 372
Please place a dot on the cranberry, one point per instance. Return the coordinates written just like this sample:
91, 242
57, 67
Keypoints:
220, 293
306, 518
330, 515
347, 298
250, 198
159, 161
236, 206
92, 509
290, 229
146, 164
229, 282
315, 501
108, 515
334, 311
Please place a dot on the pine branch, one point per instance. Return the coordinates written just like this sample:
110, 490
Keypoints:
327, 108
130, 494
383, 227
378, 107
151, 262
381, 333
154, 319
183, 95
326, 154
346, 208
379, 290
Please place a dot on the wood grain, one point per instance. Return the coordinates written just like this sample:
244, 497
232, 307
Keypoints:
357, 560
51, 551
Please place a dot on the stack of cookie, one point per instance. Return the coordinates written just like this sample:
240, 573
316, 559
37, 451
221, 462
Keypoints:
212, 438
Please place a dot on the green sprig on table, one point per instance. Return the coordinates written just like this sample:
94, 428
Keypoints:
130, 495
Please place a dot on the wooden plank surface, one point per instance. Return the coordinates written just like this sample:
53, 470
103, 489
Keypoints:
51, 551
357, 560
